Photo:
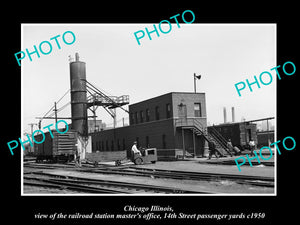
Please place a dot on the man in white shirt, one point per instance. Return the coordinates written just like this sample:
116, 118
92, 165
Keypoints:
134, 149
252, 146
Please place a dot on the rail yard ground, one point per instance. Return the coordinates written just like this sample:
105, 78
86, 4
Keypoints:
184, 177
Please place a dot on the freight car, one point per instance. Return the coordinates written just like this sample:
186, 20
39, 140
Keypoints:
62, 147
239, 133
265, 138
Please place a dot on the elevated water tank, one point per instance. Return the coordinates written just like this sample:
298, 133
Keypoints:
78, 96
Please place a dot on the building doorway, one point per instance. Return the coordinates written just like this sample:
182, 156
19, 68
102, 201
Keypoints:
182, 113
249, 134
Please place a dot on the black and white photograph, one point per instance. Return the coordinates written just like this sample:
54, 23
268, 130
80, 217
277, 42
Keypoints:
118, 114
133, 114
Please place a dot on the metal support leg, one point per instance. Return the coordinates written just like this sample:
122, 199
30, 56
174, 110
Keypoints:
194, 143
183, 144
205, 151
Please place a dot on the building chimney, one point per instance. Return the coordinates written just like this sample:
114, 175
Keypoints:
233, 115
224, 113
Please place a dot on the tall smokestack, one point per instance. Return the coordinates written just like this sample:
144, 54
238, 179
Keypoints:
78, 96
233, 115
224, 113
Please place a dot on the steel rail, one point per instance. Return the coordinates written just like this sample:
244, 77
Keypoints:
171, 174
187, 175
204, 173
243, 179
118, 184
175, 174
61, 184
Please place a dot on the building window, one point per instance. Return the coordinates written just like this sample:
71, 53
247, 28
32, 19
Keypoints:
102, 143
197, 110
147, 115
136, 117
147, 142
168, 110
119, 146
131, 118
142, 116
157, 113
164, 143
107, 148
124, 146
112, 145
99, 146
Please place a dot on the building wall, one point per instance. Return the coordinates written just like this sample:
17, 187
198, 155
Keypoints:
150, 104
174, 100
238, 133
159, 131
230, 131
92, 127
159, 134
263, 137
189, 142
247, 132
188, 99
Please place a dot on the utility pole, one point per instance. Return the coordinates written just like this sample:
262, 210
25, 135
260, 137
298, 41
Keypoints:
195, 78
31, 131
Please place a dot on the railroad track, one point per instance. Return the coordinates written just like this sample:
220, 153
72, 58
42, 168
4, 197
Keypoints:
185, 175
88, 185
244, 179
169, 174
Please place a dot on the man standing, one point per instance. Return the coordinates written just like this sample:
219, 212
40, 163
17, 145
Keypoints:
252, 146
212, 150
229, 145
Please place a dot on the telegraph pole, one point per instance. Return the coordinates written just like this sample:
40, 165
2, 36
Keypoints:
31, 131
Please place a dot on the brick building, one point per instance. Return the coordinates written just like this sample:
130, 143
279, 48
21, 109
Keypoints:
168, 122
95, 125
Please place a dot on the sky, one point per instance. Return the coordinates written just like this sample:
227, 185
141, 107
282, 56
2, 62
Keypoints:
224, 54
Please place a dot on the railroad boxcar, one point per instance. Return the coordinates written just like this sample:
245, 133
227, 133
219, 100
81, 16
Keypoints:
59, 147
239, 133
265, 138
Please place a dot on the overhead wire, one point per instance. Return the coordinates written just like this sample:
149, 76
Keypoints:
51, 109
63, 95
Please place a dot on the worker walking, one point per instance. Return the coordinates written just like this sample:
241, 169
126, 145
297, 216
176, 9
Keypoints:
212, 150
252, 146
77, 158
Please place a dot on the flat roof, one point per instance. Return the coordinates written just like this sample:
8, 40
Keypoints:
187, 93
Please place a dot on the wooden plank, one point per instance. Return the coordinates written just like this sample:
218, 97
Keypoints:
105, 156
